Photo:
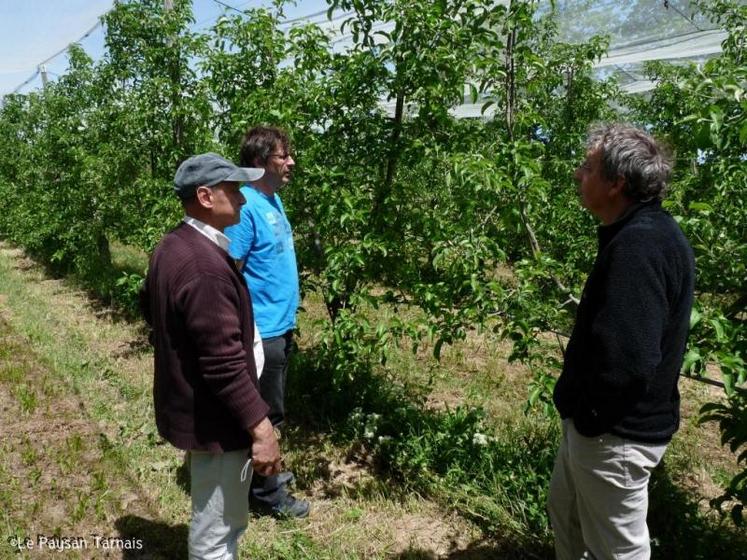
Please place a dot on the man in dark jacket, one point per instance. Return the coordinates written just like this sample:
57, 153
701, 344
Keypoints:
205, 387
617, 393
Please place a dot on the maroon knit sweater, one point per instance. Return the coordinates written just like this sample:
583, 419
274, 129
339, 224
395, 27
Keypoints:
197, 304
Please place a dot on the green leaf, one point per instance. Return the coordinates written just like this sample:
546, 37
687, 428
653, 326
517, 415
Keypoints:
743, 134
719, 328
700, 207
695, 317
692, 358
473, 93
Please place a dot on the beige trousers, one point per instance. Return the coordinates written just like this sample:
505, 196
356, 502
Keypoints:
599, 496
220, 512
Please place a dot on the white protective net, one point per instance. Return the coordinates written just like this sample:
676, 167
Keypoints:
638, 31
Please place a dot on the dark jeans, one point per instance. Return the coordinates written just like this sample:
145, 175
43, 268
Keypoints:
271, 490
277, 349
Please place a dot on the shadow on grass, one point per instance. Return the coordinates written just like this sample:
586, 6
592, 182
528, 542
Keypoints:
159, 540
683, 527
475, 551
183, 477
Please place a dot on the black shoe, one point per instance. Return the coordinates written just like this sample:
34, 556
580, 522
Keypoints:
288, 508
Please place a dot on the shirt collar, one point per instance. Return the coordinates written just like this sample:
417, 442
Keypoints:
269, 197
605, 233
214, 235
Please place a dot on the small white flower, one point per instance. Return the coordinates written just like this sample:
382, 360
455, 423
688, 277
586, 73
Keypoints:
479, 439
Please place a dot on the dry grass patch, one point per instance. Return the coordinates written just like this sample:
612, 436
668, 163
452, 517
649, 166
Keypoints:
59, 480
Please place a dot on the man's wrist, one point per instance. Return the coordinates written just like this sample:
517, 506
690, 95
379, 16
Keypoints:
262, 429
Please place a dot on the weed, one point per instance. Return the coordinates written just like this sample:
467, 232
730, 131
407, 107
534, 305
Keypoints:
99, 481
354, 514
128, 259
26, 397
50, 388
29, 453
11, 373
296, 546
74, 444
125, 290
35, 474
81, 506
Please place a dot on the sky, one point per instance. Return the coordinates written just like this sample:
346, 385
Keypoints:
31, 31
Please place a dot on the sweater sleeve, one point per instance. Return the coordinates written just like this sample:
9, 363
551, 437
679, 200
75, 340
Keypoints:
626, 334
211, 317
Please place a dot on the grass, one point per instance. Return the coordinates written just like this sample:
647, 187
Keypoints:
128, 259
102, 467
105, 364
59, 481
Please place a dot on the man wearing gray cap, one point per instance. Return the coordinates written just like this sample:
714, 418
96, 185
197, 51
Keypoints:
205, 385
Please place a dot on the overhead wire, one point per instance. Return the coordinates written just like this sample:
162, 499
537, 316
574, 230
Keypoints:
628, 74
668, 5
678, 38
99, 22
228, 6
93, 28
33, 76
301, 18
306, 17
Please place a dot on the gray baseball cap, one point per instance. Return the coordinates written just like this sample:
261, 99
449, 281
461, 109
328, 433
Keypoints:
208, 170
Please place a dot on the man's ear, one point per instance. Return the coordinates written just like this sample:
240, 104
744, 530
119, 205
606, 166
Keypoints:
617, 188
204, 196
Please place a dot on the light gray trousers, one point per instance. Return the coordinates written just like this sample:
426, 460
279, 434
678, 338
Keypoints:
599, 496
220, 513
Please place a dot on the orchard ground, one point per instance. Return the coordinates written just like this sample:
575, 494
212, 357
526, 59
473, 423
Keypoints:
82, 459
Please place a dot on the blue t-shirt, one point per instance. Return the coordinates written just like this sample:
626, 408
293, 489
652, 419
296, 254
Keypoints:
264, 241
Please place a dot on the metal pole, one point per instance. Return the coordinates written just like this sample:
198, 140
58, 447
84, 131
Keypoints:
43, 72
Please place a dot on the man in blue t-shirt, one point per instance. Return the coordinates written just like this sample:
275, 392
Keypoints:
262, 245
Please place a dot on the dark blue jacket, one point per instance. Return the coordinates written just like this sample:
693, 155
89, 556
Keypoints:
623, 359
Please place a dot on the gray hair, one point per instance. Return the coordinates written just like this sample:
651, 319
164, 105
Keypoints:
631, 153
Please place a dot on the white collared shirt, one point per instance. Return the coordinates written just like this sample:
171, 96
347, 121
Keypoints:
217, 237
214, 235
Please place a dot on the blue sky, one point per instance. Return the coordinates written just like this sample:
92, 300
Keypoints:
33, 30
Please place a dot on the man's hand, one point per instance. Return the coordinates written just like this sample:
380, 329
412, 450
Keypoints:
265, 449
